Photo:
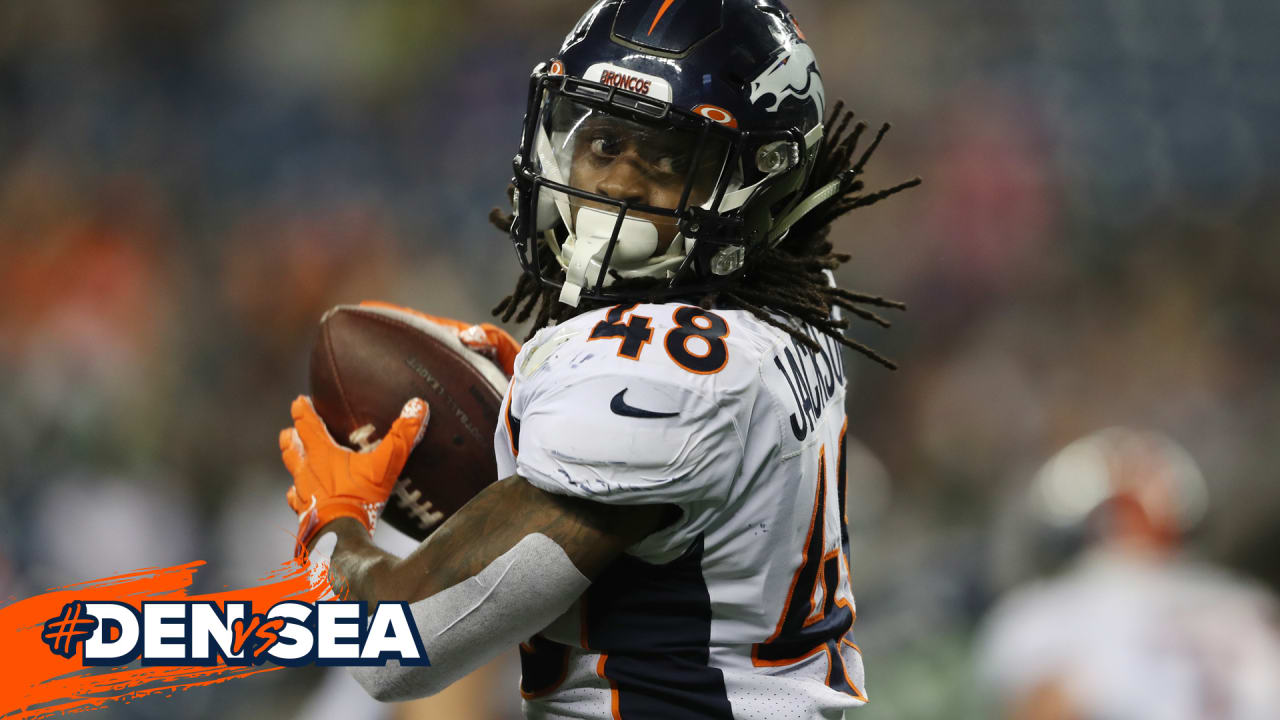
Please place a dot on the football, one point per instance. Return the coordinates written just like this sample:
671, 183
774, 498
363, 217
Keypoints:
367, 362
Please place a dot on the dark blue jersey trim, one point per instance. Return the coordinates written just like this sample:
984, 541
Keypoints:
653, 624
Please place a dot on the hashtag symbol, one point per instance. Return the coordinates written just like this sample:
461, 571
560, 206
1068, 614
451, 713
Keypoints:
65, 632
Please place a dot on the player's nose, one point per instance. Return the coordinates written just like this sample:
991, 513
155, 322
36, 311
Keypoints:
624, 180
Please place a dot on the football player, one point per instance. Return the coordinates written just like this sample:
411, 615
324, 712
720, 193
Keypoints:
668, 537
1133, 627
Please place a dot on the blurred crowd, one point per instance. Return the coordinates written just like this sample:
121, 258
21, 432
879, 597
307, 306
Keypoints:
186, 187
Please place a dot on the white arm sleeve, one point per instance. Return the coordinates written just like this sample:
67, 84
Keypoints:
470, 623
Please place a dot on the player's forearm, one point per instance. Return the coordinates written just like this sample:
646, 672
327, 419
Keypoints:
497, 572
360, 570
469, 623
591, 535
490, 525
459, 549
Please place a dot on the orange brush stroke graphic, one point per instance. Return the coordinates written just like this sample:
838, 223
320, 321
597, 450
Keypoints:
38, 683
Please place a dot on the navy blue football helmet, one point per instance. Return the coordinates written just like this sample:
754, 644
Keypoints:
667, 140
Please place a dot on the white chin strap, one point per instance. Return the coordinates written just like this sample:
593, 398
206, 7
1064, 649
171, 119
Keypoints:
585, 249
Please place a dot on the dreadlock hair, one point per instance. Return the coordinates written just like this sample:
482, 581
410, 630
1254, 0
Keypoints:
787, 278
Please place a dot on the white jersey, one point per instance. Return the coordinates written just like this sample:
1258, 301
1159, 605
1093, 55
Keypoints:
743, 607
1122, 637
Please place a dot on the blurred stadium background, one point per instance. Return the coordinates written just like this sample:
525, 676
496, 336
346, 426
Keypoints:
185, 187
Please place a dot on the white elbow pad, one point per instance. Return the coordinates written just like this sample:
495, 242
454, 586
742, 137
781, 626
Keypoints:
468, 624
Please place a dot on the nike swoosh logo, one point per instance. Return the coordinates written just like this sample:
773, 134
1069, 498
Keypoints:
620, 407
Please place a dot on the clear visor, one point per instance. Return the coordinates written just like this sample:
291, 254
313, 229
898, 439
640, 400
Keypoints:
646, 166
621, 181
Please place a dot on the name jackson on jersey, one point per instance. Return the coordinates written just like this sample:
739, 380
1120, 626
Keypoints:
828, 375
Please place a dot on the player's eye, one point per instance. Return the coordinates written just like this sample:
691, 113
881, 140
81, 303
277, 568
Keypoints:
606, 147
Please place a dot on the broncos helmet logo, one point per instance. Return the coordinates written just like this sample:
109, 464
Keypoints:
794, 74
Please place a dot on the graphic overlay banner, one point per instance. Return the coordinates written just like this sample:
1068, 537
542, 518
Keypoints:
140, 634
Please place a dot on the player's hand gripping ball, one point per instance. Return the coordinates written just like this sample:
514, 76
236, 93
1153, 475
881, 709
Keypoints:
330, 481
369, 358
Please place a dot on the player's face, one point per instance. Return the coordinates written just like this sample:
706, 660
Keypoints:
627, 161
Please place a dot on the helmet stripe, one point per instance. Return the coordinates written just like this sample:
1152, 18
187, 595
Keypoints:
661, 11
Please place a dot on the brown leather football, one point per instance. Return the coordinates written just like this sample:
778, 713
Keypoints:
368, 362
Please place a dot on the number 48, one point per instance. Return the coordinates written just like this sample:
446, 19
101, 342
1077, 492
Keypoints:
690, 322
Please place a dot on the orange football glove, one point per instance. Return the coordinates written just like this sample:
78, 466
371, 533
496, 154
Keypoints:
330, 481
489, 340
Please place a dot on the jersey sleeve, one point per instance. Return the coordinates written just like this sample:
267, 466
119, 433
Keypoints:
628, 440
